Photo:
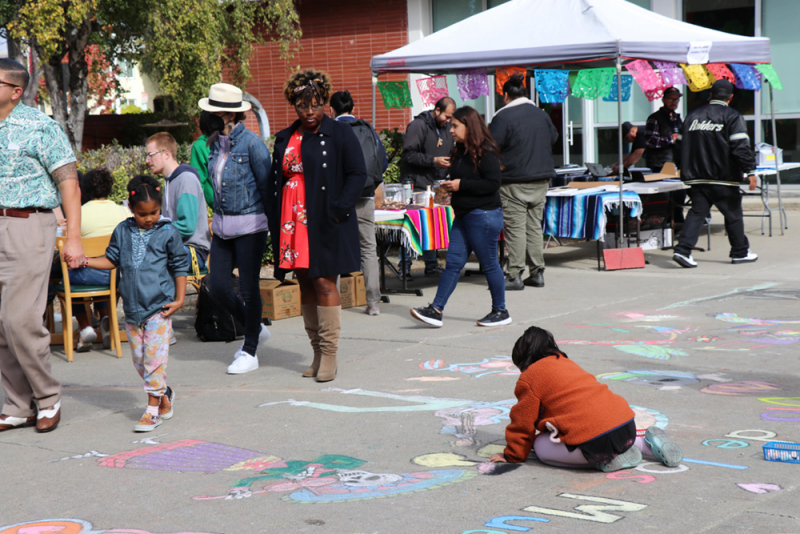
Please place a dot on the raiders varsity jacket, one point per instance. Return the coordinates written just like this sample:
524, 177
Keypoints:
715, 147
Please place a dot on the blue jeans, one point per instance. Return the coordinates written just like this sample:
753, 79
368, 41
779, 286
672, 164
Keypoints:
244, 252
87, 276
478, 231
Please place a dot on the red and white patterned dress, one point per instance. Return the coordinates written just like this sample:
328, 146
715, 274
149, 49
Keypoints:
294, 228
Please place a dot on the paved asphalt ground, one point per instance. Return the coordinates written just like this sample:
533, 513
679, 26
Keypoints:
396, 443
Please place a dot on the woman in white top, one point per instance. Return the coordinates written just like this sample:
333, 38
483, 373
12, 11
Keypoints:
99, 217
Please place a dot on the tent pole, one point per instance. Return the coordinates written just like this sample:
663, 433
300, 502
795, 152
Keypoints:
374, 97
620, 229
781, 211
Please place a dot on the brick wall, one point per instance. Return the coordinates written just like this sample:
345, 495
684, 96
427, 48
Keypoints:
340, 38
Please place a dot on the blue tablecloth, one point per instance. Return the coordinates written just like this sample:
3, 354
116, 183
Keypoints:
584, 215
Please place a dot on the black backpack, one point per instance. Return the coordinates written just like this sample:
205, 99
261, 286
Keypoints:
372, 151
212, 322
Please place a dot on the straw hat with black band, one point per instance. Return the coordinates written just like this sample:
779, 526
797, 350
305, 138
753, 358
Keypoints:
224, 97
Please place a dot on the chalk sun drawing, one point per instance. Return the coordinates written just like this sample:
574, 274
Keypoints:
327, 478
70, 526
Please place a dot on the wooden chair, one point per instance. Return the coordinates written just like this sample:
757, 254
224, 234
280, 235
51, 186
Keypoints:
67, 293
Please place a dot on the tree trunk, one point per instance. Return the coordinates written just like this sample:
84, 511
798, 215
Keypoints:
68, 84
15, 53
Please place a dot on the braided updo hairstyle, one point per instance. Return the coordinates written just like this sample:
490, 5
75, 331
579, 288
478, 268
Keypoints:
143, 188
306, 86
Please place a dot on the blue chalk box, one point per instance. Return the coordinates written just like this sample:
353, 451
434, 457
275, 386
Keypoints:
779, 451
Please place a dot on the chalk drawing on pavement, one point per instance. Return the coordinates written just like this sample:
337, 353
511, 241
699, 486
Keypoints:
69, 526
89, 454
497, 365
327, 478
760, 488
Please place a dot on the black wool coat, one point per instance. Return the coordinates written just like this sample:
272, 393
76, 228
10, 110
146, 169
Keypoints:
335, 172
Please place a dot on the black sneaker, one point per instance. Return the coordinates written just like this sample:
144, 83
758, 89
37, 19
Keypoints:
433, 270
428, 315
496, 318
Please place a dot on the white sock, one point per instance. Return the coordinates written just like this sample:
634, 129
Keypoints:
152, 410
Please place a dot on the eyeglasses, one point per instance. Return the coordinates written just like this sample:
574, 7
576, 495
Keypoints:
151, 154
672, 98
8, 84
314, 107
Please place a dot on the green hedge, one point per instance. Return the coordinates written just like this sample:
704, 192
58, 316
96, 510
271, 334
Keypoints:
124, 163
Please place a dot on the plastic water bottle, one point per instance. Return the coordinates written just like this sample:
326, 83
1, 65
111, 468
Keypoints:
408, 193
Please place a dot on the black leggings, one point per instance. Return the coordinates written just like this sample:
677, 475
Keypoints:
244, 252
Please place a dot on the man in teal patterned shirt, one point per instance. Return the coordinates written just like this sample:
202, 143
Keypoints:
37, 173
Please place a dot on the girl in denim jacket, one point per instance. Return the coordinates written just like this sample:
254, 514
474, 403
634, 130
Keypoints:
149, 253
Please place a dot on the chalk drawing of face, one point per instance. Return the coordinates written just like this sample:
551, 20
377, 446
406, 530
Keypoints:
365, 478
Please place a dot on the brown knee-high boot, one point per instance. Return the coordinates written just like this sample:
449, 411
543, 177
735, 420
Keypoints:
330, 326
311, 321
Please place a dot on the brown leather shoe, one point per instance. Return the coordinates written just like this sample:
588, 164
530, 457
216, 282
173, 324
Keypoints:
48, 418
9, 422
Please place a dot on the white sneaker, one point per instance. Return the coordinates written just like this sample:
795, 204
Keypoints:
86, 337
264, 335
373, 310
243, 363
684, 261
750, 258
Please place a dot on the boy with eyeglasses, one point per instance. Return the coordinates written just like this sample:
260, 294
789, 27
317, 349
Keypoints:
184, 201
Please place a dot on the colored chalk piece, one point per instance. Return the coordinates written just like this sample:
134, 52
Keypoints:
779, 451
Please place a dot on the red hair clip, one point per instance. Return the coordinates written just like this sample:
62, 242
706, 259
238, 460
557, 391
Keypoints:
158, 189
133, 192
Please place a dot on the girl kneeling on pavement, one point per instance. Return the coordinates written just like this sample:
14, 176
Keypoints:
580, 422
475, 183
149, 253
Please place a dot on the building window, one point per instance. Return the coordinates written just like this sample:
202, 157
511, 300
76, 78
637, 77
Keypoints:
730, 16
125, 69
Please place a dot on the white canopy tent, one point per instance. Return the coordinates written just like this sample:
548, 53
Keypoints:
552, 33
540, 32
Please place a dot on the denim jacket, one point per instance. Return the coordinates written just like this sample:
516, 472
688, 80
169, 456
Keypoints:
148, 262
243, 187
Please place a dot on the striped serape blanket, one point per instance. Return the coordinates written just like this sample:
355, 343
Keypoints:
419, 230
584, 215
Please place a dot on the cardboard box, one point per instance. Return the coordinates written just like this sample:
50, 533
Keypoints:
352, 290
655, 239
668, 172
279, 300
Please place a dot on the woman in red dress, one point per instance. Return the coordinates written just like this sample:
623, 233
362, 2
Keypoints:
318, 172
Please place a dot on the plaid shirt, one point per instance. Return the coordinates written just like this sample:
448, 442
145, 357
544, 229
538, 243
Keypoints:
653, 132
32, 145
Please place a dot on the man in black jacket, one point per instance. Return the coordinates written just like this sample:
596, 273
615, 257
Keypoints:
525, 135
715, 155
426, 158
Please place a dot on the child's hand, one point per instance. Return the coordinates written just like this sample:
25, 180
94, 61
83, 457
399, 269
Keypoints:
498, 458
171, 308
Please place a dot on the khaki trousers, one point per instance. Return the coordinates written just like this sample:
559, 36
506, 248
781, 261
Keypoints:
523, 210
26, 253
365, 210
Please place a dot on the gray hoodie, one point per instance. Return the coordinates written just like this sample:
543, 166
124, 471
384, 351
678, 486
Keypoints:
185, 206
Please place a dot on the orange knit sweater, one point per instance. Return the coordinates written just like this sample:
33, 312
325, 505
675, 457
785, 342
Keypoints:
557, 391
